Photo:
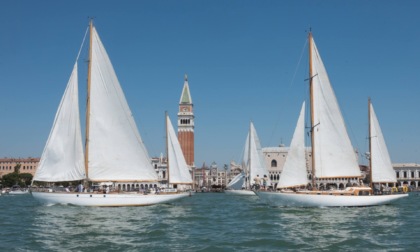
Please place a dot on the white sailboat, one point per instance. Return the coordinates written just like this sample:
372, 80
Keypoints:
333, 156
114, 150
254, 164
178, 171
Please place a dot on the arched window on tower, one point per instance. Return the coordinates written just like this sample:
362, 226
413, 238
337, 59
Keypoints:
273, 163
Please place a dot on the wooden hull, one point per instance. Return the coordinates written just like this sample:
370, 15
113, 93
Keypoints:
291, 199
240, 192
105, 200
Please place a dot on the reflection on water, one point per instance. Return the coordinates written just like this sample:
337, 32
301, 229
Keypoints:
207, 222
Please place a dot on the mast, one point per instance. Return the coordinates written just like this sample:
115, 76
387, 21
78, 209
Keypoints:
167, 152
88, 101
312, 108
249, 155
370, 146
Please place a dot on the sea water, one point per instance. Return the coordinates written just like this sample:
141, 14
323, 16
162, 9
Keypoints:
208, 222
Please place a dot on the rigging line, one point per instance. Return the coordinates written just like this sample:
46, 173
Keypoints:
83, 42
298, 64
289, 87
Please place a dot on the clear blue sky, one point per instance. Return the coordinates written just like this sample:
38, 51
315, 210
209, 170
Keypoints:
241, 58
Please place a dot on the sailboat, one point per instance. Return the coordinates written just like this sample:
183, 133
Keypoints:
333, 157
114, 151
254, 165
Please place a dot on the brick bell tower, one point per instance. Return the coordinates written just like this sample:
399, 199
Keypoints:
186, 124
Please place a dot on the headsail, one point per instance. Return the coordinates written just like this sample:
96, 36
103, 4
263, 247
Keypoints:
116, 150
62, 158
178, 168
333, 152
256, 162
294, 170
381, 166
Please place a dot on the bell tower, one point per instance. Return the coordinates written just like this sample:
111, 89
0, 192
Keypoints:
186, 124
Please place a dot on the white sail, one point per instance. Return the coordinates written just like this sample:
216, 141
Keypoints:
256, 162
116, 151
333, 152
238, 182
294, 170
62, 158
382, 170
177, 166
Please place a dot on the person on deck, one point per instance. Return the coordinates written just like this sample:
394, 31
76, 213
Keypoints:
257, 182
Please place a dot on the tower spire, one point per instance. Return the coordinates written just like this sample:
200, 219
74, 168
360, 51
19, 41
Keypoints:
186, 123
186, 95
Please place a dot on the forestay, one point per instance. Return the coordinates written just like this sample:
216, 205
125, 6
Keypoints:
177, 166
62, 158
334, 153
116, 151
382, 170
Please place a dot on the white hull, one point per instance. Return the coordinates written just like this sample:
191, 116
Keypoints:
240, 192
313, 200
106, 200
18, 192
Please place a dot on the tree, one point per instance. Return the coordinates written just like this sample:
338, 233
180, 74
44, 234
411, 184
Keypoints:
16, 178
25, 178
10, 179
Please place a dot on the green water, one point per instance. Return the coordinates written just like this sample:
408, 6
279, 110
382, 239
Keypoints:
208, 222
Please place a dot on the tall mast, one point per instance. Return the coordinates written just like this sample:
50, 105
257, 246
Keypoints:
249, 155
167, 153
312, 108
88, 101
370, 145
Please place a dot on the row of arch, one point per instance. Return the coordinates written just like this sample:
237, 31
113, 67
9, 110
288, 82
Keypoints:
185, 121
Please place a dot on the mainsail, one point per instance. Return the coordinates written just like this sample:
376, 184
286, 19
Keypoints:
381, 166
333, 152
294, 170
116, 151
177, 166
62, 158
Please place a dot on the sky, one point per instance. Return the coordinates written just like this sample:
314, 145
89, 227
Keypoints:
246, 61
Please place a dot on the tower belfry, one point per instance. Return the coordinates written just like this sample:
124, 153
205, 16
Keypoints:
186, 124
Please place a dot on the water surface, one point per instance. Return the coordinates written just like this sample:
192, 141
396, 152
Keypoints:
207, 222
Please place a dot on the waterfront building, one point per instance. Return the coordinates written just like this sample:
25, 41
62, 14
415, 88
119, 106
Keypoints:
211, 177
275, 157
27, 165
408, 173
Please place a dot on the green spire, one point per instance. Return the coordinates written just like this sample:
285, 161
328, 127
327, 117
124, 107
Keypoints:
186, 96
